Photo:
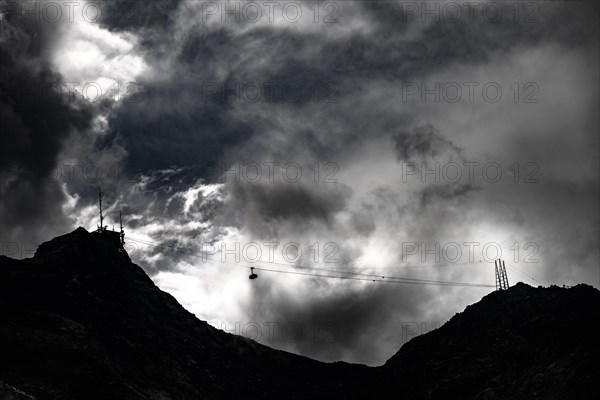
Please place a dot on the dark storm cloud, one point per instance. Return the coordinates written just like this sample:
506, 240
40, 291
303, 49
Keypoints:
188, 115
468, 40
421, 142
362, 223
181, 131
37, 119
126, 15
177, 124
445, 192
266, 209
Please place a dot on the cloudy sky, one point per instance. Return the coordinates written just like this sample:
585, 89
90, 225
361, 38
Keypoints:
357, 139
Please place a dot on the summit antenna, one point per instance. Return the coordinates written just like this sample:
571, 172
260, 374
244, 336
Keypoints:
101, 227
122, 233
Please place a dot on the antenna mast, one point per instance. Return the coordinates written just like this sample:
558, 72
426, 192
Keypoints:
101, 227
122, 233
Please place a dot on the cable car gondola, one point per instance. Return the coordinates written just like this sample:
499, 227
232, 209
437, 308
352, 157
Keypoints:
252, 274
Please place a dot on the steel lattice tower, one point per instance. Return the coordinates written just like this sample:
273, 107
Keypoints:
501, 277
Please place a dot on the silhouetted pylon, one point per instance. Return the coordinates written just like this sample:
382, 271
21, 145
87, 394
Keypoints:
501, 277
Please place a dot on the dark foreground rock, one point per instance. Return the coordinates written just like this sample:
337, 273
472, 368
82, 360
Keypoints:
80, 321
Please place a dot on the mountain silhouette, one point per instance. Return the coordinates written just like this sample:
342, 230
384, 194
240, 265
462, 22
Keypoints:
79, 321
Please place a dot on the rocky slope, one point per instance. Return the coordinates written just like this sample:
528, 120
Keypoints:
523, 343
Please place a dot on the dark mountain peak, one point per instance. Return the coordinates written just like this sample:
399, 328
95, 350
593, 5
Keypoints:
80, 242
523, 297
80, 320
507, 338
